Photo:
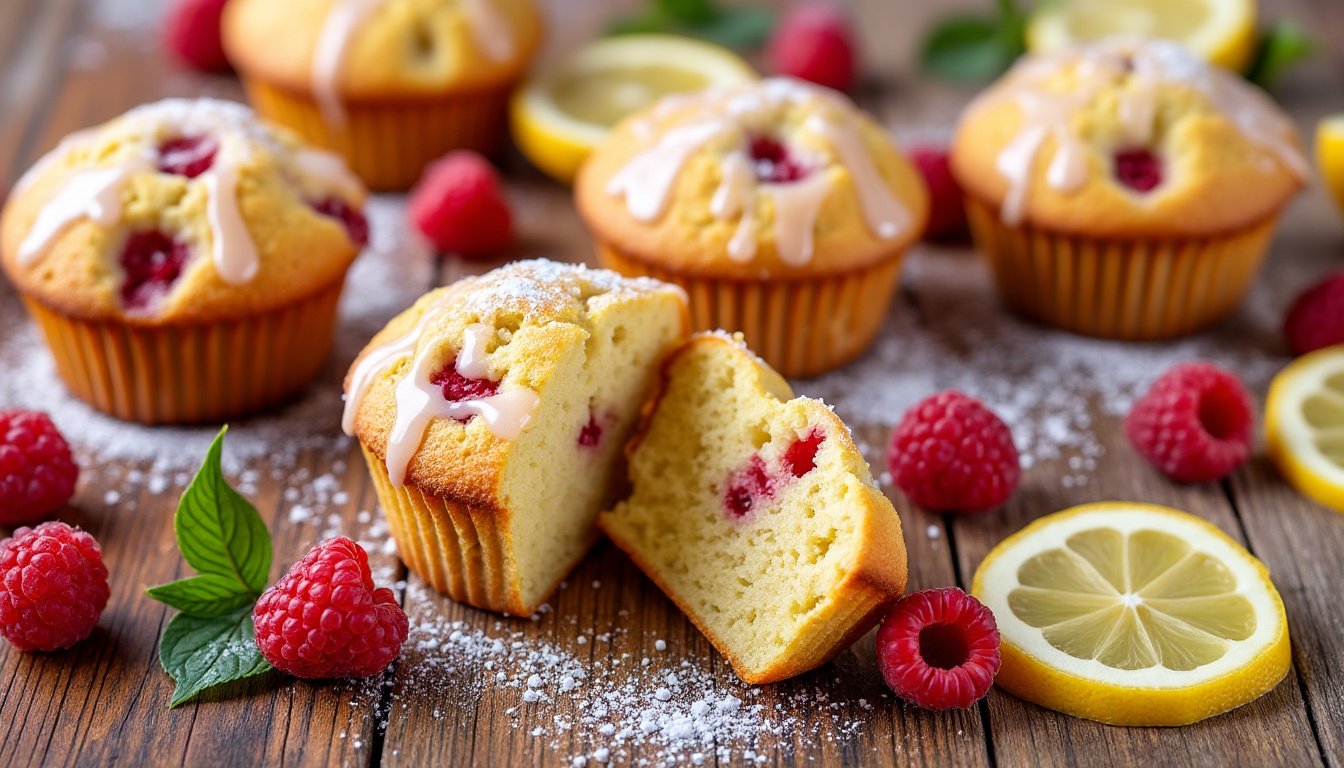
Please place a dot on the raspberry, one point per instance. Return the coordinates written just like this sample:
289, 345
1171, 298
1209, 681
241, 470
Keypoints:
37, 472
356, 225
188, 156
1316, 318
801, 457
774, 163
590, 434
53, 587
950, 452
1195, 424
458, 388
947, 209
324, 618
460, 206
151, 262
939, 649
813, 42
748, 486
192, 33
1138, 169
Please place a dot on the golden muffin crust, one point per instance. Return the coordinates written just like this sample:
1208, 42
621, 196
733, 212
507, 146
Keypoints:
676, 185
539, 315
254, 238
1041, 144
366, 49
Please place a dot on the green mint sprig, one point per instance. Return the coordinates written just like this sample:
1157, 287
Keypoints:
732, 27
211, 640
973, 49
1280, 48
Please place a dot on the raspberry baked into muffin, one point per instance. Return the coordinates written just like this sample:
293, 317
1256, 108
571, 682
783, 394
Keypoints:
1125, 189
388, 84
184, 261
757, 515
493, 414
780, 207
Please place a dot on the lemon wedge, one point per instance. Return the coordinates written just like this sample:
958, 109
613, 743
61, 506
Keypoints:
1221, 31
1133, 614
562, 113
1330, 155
1304, 422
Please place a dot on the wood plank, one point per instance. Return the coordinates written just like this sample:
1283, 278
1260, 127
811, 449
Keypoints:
32, 33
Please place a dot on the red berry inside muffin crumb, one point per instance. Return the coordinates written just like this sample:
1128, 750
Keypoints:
591, 433
755, 482
801, 457
188, 156
1139, 169
774, 163
458, 388
356, 225
152, 262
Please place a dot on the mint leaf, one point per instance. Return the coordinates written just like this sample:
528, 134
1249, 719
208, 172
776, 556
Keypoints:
205, 596
218, 531
736, 27
200, 653
1282, 46
969, 49
688, 12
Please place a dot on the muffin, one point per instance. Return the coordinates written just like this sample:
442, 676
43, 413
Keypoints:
757, 515
493, 414
388, 84
184, 261
1125, 189
781, 209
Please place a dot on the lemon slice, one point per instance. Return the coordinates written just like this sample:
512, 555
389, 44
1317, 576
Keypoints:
1133, 614
561, 114
1221, 31
1330, 155
1304, 422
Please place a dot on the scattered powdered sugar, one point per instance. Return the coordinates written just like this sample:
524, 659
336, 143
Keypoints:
391, 273
1048, 385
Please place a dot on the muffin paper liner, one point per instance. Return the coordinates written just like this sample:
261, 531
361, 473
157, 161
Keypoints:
190, 372
800, 327
1133, 290
459, 550
389, 142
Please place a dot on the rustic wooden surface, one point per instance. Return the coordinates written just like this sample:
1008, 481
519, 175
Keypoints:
103, 702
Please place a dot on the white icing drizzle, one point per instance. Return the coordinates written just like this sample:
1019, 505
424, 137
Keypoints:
47, 161
419, 401
1147, 65
231, 246
330, 171
94, 194
646, 180
329, 58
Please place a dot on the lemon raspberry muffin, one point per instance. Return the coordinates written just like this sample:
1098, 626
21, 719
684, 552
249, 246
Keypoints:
184, 261
493, 413
1125, 189
388, 84
781, 208
757, 515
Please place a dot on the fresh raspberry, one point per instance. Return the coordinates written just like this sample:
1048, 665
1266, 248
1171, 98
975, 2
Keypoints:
356, 225
324, 618
939, 649
53, 587
460, 206
188, 156
950, 452
947, 208
774, 163
1138, 169
192, 33
813, 42
1316, 318
1195, 424
801, 455
151, 262
37, 472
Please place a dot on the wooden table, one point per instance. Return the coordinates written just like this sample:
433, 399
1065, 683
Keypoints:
65, 64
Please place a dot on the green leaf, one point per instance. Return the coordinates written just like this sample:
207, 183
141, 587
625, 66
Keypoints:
218, 531
736, 27
643, 24
688, 12
205, 596
970, 49
1282, 46
200, 653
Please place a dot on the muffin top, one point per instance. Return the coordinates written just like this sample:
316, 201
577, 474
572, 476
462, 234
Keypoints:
1127, 137
775, 179
381, 48
440, 393
181, 211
